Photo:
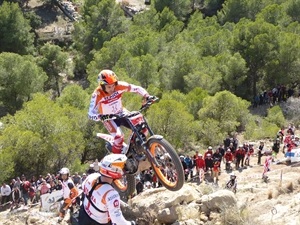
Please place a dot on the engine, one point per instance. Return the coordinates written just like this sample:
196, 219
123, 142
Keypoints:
131, 165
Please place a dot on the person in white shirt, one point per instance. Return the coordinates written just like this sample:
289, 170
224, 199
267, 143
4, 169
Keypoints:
5, 193
101, 203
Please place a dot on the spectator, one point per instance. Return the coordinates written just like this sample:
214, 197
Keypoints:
59, 185
139, 186
208, 151
77, 179
260, 152
39, 181
215, 171
189, 162
5, 193
44, 188
199, 163
228, 157
276, 147
96, 165
91, 169
16, 197
267, 165
222, 150
53, 185
239, 155
217, 156
83, 177
249, 153
209, 163
25, 185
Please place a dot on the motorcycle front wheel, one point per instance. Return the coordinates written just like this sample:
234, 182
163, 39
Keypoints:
167, 166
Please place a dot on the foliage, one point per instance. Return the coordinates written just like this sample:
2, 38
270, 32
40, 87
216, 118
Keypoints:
260, 128
170, 119
57, 65
15, 30
19, 78
275, 116
221, 114
44, 133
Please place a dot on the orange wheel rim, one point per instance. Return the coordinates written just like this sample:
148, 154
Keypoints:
120, 185
157, 169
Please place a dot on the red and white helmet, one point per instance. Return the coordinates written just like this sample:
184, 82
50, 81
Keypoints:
106, 77
112, 166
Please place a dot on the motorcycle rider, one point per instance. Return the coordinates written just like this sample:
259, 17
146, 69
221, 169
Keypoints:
101, 202
70, 192
107, 99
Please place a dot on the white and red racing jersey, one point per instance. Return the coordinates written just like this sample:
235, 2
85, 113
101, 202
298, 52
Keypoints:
106, 199
103, 103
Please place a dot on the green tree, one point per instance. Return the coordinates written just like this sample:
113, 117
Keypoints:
181, 8
257, 42
102, 20
171, 119
74, 95
19, 78
221, 115
15, 30
57, 65
234, 72
43, 136
293, 9
194, 100
275, 116
275, 14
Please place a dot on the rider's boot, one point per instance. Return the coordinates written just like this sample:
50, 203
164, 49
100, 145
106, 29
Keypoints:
109, 148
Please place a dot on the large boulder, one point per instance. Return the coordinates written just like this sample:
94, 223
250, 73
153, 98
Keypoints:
217, 201
165, 207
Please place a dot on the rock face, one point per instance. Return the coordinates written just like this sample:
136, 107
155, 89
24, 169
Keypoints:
160, 206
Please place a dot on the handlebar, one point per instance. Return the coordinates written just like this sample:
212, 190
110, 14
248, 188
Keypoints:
149, 102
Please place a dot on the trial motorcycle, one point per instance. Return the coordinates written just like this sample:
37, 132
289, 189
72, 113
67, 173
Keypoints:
144, 150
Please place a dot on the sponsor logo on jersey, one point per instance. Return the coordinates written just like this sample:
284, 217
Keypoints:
116, 203
112, 197
112, 96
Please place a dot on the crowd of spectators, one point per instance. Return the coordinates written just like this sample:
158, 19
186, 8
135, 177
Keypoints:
277, 94
23, 191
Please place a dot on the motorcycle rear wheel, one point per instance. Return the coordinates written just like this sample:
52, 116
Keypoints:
169, 170
125, 186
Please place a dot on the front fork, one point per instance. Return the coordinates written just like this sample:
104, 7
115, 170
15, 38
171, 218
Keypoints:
146, 146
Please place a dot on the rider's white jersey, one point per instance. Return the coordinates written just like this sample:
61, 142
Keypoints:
106, 199
103, 103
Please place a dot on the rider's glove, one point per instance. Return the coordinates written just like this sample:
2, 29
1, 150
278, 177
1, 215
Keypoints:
103, 117
150, 98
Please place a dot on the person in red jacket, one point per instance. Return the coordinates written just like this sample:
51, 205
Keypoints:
228, 158
208, 151
240, 155
200, 166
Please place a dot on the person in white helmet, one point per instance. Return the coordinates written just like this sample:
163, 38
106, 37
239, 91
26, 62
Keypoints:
101, 202
70, 192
